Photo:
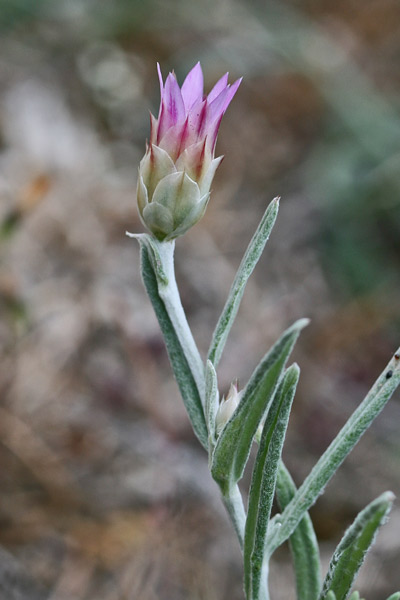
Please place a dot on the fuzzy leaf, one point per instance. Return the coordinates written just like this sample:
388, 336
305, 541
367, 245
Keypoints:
182, 372
351, 551
212, 401
249, 261
263, 482
233, 445
303, 542
335, 454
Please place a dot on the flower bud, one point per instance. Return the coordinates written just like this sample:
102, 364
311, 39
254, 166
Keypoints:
176, 173
227, 408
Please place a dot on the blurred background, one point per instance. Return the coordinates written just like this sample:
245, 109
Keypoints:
105, 493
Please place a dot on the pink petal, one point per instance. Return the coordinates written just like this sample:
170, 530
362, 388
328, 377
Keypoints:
192, 87
174, 140
197, 117
231, 92
213, 133
216, 107
172, 107
218, 87
219, 105
173, 99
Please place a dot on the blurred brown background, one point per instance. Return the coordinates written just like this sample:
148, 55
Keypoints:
104, 492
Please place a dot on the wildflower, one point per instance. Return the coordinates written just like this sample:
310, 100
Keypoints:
177, 170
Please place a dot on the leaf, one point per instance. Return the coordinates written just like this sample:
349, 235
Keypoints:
182, 372
395, 596
234, 443
161, 255
212, 401
263, 482
303, 542
337, 451
351, 551
151, 244
249, 261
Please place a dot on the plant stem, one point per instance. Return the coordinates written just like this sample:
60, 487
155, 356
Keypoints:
233, 502
172, 301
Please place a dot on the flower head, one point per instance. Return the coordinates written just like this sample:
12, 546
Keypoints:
176, 172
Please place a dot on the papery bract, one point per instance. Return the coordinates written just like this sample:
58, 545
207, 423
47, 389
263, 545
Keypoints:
176, 173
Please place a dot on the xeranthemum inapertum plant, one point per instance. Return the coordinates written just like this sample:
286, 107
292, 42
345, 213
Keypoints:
174, 182
177, 170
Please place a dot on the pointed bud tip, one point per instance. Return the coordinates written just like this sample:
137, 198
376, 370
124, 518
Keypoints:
301, 323
388, 497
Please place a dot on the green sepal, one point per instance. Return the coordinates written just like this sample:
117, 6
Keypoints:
180, 366
352, 549
354, 596
249, 261
303, 542
234, 443
264, 480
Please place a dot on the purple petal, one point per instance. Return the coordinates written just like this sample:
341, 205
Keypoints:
174, 139
231, 92
213, 133
197, 116
172, 108
172, 98
219, 105
218, 87
192, 87
216, 107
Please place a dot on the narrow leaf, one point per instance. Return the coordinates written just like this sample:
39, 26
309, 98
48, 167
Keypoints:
335, 454
234, 443
249, 261
263, 482
182, 372
211, 403
351, 551
303, 542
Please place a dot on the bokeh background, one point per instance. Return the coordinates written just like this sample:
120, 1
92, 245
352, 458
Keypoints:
104, 492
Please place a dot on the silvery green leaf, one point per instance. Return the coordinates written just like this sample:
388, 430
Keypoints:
180, 366
233, 445
303, 542
337, 451
263, 482
212, 401
249, 261
351, 551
